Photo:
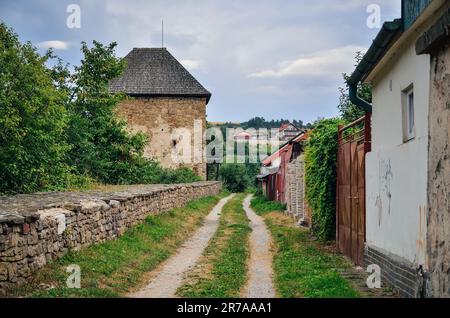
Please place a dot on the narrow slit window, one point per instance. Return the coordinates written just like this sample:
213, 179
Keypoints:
408, 115
411, 114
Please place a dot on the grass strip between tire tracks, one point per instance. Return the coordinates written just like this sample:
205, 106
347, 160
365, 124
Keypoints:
222, 270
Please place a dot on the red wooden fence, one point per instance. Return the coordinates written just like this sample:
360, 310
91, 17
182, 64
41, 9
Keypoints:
354, 141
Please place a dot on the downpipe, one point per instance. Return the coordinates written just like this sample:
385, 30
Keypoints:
355, 99
424, 290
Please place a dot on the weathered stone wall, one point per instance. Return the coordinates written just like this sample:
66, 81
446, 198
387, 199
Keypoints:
159, 117
438, 229
295, 189
36, 229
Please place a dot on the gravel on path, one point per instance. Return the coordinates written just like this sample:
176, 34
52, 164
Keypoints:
169, 277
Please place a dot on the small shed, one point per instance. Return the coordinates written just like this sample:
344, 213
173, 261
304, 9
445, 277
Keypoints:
282, 177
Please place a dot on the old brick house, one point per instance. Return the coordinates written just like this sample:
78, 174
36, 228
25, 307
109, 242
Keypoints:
168, 104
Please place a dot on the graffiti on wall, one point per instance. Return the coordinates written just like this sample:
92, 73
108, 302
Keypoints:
384, 194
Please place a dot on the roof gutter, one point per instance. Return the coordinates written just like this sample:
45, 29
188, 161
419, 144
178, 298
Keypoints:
388, 33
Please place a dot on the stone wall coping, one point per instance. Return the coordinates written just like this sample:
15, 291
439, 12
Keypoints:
27, 208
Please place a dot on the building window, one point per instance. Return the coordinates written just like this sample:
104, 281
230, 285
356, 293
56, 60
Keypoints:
408, 115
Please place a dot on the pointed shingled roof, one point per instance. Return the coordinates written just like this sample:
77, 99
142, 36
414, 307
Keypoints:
155, 72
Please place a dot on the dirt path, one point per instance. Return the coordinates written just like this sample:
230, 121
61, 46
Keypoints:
169, 277
260, 284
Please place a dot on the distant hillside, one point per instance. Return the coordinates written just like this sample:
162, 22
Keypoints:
261, 122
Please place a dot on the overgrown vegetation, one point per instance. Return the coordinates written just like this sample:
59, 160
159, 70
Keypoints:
58, 129
237, 177
234, 177
303, 268
111, 269
263, 205
224, 263
320, 177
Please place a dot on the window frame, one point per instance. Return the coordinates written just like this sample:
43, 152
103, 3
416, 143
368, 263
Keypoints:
408, 114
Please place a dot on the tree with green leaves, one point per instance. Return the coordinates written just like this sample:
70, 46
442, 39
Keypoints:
58, 129
234, 177
102, 147
349, 111
33, 121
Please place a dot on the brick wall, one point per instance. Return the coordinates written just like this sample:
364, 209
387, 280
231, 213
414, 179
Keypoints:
395, 272
36, 229
158, 118
438, 228
295, 189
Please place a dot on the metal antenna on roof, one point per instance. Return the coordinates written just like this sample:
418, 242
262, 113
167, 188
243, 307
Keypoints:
162, 33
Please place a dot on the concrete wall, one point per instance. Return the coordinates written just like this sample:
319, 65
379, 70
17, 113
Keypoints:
36, 229
438, 242
396, 173
159, 118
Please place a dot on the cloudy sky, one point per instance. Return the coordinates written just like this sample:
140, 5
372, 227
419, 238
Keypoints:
270, 58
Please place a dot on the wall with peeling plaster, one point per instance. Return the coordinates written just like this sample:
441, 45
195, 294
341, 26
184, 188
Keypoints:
396, 173
438, 243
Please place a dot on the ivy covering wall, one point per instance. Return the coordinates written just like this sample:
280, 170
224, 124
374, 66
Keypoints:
320, 168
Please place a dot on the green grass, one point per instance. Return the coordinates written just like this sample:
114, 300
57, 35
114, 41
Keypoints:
303, 268
112, 268
225, 259
263, 206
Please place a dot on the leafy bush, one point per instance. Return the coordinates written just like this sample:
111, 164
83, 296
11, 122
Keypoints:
234, 177
320, 168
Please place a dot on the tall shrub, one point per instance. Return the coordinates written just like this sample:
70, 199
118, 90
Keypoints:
320, 166
235, 177
33, 121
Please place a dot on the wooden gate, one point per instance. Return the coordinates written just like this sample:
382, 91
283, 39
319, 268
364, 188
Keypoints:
354, 142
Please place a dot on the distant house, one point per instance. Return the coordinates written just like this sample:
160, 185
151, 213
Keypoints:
244, 136
282, 178
168, 104
288, 131
408, 169
255, 136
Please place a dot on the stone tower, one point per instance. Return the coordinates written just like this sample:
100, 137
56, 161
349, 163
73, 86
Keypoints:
168, 104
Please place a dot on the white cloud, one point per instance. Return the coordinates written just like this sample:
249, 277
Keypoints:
190, 64
57, 45
322, 63
295, 51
